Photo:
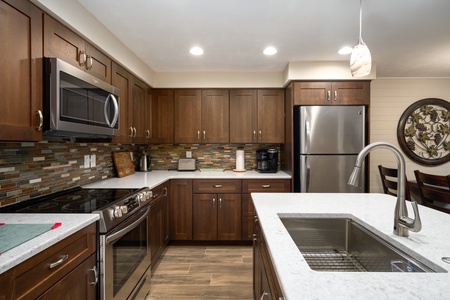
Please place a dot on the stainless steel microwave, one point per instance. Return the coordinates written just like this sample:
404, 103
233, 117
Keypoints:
77, 103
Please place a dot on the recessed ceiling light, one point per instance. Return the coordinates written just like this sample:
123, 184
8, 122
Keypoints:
270, 51
345, 50
196, 51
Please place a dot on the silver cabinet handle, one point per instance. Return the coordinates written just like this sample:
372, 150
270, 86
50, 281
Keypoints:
335, 95
260, 134
204, 135
198, 134
41, 120
82, 58
214, 202
165, 191
59, 262
147, 134
135, 131
217, 185
94, 269
131, 132
89, 62
328, 95
254, 135
220, 202
266, 186
263, 295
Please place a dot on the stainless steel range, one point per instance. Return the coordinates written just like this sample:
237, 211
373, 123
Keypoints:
124, 246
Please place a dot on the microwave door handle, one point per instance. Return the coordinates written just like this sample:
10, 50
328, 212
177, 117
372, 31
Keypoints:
115, 236
116, 110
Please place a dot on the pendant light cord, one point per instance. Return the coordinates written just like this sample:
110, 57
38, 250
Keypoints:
360, 22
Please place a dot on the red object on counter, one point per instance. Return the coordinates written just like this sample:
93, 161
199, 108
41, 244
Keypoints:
57, 224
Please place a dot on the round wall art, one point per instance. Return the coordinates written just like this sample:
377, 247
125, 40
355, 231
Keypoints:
423, 131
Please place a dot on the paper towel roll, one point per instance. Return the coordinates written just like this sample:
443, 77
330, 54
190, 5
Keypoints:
240, 164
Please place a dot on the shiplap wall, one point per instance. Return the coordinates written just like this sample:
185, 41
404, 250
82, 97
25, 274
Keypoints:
389, 99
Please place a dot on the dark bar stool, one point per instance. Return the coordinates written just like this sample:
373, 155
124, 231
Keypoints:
389, 181
434, 190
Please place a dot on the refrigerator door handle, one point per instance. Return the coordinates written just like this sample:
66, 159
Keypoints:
305, 171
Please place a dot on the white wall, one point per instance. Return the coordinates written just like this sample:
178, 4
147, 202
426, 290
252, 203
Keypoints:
390, 97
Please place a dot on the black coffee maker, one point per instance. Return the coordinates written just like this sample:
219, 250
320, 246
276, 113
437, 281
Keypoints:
267, 160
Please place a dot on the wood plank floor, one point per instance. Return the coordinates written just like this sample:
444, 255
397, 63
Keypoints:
203, 272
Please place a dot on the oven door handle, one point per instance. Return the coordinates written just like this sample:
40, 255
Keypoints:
117, 235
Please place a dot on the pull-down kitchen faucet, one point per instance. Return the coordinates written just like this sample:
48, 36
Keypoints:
402, 223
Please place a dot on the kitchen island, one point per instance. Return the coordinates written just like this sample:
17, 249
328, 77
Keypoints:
298, 281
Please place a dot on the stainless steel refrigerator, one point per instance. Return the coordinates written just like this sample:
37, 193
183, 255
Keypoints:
327, 141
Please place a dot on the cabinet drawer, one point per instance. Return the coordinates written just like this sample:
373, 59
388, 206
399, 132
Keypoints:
39, 273
266, 186
217, 186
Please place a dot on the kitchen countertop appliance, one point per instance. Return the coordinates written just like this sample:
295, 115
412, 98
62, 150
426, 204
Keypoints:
327, 140
124, 250
267, 160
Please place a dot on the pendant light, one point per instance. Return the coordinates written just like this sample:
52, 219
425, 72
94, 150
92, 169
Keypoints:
360, 60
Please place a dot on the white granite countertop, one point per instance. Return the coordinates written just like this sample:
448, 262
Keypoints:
298, 281
71, 223
156, 177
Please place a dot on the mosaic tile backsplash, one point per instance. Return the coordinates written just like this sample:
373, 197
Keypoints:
33, 169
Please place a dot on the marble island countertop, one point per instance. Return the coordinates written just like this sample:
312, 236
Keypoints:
70, 223
298, 281
154, 178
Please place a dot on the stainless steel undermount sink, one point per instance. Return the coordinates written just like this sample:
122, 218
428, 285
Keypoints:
341, 244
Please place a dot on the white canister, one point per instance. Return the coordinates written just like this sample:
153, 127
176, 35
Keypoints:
240, 163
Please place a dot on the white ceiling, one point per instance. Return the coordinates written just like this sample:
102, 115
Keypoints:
407, 38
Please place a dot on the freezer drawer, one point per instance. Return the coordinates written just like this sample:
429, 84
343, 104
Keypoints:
328, 174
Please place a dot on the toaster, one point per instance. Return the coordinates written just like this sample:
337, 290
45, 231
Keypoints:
186, 164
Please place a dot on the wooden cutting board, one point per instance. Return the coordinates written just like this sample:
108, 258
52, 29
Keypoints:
124, 165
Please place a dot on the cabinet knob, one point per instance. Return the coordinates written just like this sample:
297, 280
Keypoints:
266, 186
335, 95
41, 120
217, 185
328, 95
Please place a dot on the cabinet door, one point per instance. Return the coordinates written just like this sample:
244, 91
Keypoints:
248, 211
166, 212
139, 115
229, 217
121, 79
162, 109
187, 116
312, 93
270, 116
215, 116
351, 92
243, 116
61, 42
156, 228
180, 209
205, 217
21, 63
80, 283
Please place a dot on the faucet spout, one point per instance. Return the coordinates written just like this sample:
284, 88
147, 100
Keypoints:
402, 223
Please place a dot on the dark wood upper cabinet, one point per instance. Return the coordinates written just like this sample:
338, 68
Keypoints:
243, 116
61, 42
140, 112
121, 79
187, 116
215, 116
332, 93
162, 111
257, 116
21, 75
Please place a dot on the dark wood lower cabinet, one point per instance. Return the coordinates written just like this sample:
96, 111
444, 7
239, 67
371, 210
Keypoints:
217, 216
180, 209
265, 282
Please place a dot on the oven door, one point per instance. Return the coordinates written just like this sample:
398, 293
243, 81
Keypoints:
125, 258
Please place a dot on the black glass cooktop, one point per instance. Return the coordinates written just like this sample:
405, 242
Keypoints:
76, 200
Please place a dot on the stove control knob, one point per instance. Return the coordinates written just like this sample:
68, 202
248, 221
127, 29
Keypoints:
149, 194
124, 209
141, 197
117, 212
111, 213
